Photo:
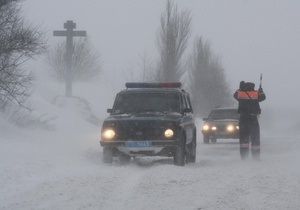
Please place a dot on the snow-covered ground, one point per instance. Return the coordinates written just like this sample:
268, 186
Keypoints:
62, 168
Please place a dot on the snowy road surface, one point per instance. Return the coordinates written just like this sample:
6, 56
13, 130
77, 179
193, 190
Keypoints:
62, 169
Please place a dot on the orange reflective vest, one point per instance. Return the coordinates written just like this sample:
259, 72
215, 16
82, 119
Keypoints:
250, 95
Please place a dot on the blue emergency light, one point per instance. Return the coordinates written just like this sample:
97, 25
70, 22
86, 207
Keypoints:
153, 85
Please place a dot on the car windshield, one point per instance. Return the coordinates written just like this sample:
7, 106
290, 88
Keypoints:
224, 114
146, 102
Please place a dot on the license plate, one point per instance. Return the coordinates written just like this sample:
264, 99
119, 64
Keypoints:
138, 144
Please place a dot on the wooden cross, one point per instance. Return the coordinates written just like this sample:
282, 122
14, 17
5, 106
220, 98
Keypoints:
69, 33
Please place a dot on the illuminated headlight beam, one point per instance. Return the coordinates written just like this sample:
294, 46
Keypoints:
230, 128
108, 134
169, 133
205, 127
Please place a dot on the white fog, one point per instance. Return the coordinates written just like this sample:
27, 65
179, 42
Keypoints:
61, 167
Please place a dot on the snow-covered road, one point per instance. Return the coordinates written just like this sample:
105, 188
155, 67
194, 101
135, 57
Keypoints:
62, 169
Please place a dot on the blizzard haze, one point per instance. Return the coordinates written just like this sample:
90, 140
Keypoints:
251, 37
61, 167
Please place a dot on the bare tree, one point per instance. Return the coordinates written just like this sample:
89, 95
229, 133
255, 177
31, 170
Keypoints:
208, 85
142, 70
86, 61
172, 41
146, 65
19, 41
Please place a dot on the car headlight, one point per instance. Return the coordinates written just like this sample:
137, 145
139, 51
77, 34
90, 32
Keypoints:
230, 128
169, 133
108, 134
205, 127
237, 127
208, 127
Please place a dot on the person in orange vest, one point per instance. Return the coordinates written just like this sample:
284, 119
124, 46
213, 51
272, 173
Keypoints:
249, 110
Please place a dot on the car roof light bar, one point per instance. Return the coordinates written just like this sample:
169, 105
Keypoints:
153, 85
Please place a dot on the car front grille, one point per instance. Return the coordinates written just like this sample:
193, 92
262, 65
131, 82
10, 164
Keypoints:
222, 128
141, 130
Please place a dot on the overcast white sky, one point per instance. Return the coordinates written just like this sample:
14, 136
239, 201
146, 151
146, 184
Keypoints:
251, 37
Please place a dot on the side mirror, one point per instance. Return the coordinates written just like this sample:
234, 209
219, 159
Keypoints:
109, 111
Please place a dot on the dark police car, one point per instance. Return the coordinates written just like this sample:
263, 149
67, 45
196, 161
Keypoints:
150, 119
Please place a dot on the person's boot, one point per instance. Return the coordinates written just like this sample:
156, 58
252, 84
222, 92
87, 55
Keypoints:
255, 154
244, 151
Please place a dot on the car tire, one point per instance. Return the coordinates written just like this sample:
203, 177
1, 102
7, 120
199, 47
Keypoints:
191, 153
205, 139
124, 158
214, 140
180, 153
107, 155
192, 150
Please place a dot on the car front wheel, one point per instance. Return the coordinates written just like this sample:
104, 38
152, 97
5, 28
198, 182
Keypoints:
192, 147
180, 153
191, 153
205, 139
124, 159
107, 155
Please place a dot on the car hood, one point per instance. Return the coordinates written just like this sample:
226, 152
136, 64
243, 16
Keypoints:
145, 116
223, 121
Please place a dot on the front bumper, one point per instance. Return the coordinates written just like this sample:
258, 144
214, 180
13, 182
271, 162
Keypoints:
222, 135
154, 143
155, 148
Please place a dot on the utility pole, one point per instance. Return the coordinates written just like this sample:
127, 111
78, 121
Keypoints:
69, 34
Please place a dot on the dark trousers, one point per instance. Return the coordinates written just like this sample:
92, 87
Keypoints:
249, 132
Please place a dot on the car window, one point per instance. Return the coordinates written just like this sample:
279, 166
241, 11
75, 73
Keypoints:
144, 102
184, 103
188, 102
224, 114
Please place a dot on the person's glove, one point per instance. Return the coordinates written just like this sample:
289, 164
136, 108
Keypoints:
260, 90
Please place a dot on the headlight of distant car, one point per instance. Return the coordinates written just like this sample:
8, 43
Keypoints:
169, 133
205, 127
232, 128
108, 134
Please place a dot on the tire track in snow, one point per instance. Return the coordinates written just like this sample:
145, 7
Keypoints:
126, 187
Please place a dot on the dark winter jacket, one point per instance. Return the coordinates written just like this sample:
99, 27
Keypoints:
249, 99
